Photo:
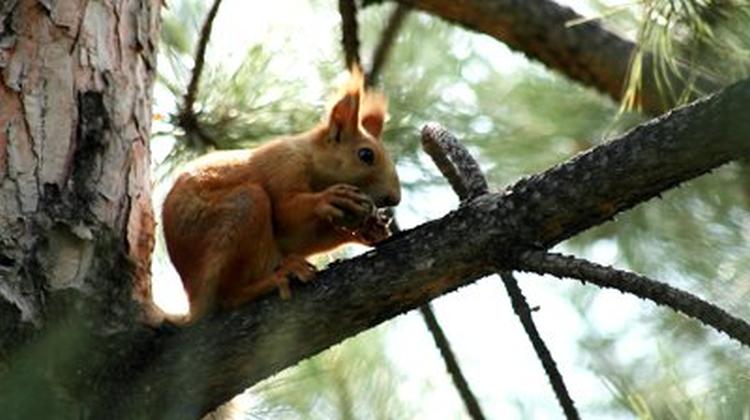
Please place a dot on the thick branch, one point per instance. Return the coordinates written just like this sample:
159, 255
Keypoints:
643, 287
200, 367
540, 29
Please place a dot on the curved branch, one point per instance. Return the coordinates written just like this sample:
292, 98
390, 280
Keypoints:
454, 162
443, 149
660, 293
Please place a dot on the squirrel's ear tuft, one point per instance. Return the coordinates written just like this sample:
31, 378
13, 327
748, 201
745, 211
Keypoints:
374, 108
345, 112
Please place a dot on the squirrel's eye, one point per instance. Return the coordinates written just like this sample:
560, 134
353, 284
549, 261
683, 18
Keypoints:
366, 155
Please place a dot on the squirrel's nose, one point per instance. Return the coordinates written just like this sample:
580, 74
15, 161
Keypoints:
391, 200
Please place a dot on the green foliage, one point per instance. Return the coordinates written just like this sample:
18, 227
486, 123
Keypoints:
249, 104
692, 40
236, 107
679, 385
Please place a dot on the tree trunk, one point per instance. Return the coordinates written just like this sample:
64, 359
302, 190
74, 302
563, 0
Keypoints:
76, 224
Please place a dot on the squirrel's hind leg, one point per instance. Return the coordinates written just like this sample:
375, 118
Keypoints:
256, 265
290, 266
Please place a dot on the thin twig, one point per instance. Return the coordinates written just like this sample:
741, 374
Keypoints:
522, 309
200, 57
451, 364
387, 39
187, 118
349, 28
463, 173
660, 293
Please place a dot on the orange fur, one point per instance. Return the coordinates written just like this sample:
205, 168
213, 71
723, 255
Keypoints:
238, 224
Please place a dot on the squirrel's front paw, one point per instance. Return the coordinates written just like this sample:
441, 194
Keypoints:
292, 267
345, 205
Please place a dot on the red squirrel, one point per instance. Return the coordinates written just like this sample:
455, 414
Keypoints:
238, 224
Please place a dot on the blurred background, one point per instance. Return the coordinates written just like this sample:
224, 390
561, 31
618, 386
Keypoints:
270, 70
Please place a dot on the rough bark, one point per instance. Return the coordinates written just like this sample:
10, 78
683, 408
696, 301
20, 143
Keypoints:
221, 356
586, 52
76, 225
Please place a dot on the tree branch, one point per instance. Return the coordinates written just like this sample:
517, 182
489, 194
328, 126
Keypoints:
451, 363
349, 28
433, 326
641, 286
585, 52
187, 119
387, 38
454, 162
200, 367
468, 181
200, 57
523, 311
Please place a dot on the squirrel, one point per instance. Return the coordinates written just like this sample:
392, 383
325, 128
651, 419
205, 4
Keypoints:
239, 224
